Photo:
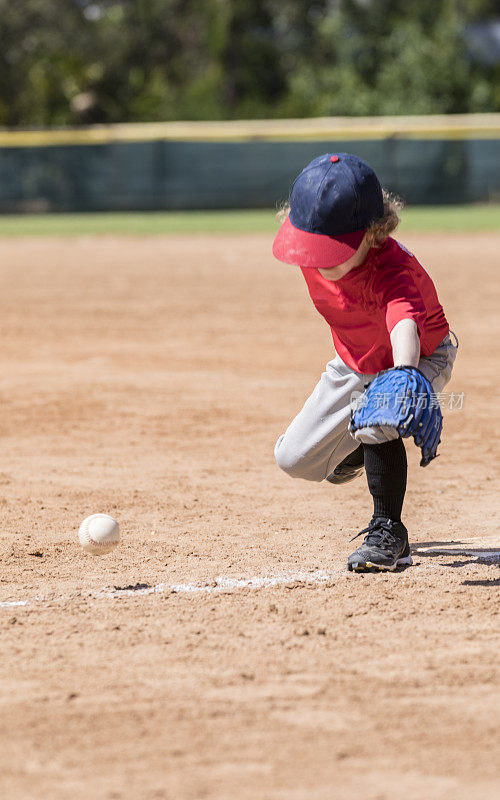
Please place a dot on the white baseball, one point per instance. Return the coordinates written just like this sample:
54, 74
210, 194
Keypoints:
99, 534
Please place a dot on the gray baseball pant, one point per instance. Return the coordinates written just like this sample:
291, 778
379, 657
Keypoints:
318, 439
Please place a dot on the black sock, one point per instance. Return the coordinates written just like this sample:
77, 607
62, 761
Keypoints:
386, 469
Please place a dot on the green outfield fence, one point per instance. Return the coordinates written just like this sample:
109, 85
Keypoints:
242, 164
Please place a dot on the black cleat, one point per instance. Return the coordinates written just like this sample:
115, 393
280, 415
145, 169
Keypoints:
385, 547
348, 469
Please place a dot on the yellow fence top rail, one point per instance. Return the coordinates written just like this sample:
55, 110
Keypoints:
453, 126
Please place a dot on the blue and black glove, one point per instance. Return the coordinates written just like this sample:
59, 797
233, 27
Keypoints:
402, 398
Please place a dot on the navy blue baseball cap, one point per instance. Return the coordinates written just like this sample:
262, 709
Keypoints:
332, 202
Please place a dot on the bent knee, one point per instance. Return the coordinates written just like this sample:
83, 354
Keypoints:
295, 463
286, 458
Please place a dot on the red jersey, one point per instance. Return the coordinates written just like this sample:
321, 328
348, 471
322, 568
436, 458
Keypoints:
363, 307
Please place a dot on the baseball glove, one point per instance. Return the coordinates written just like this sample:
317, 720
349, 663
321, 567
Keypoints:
402, 398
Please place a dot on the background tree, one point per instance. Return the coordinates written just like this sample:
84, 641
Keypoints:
83, 61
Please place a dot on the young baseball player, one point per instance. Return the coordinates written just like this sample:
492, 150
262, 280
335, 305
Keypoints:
384, 315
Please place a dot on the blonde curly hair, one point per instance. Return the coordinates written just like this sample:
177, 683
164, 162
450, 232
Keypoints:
378, 230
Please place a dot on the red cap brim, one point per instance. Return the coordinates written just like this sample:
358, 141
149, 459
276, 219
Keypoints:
304, 249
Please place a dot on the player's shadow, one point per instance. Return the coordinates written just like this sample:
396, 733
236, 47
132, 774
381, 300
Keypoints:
471, 555
433, 549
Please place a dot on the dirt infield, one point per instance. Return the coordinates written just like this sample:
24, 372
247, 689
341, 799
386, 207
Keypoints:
222, 652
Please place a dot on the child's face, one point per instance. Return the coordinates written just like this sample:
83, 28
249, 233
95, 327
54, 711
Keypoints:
338, 272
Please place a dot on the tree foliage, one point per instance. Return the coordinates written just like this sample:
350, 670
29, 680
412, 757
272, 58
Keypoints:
82, 61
